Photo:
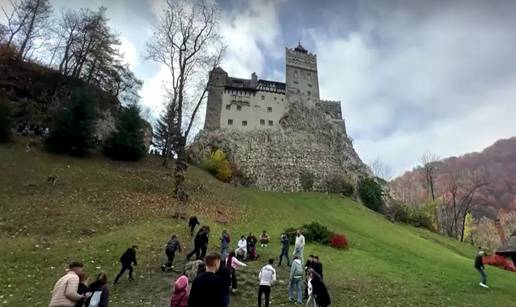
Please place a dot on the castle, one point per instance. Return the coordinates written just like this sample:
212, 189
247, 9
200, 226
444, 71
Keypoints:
275, 134
249, 104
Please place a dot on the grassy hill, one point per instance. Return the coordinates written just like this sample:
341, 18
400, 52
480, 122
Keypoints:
97, 208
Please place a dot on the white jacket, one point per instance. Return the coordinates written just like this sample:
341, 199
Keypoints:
267, 275
300, 241
242, 243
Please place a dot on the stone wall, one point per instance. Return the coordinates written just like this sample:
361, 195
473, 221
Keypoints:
274, 159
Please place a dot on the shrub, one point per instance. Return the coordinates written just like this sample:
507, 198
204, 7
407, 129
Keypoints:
218, 165
313, 232
338, 241
339, 185
401, 213
73, 129
126, 142
5, 120
370, 193
307, 180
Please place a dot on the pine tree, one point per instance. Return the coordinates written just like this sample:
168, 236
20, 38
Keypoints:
74, 126
5, 121
126, 142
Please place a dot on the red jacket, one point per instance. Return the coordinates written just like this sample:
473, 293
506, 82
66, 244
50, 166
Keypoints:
180, 292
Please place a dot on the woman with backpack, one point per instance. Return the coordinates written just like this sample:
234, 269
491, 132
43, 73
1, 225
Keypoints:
232, 263
180, 292
100, 296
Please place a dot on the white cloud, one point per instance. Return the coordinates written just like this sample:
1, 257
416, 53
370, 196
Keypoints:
130, 54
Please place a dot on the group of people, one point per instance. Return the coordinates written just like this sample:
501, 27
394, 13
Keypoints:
246, 246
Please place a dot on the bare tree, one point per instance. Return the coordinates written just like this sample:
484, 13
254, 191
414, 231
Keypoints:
380, 169
459, 197
27, 21
187, 42
429, 162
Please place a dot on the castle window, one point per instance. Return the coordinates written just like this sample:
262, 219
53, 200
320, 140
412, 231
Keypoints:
271, 123
239, 108
269, 109
309, 85
275, 98
244, 123
263, 97
230, 122
262, 122
295, 82
228, 107
309, 93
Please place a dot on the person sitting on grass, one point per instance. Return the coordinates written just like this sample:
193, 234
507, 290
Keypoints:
180, 292
172, 247
264, 239
242, 247
233, 264
127, 259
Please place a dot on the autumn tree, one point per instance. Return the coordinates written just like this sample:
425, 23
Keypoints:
27, 22
429, 164
188, 43
380, 169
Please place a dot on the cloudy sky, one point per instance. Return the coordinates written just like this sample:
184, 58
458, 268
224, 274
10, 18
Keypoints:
413, 76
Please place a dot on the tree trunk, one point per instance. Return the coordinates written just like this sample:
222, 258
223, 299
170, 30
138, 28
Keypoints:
29, 31
180, 171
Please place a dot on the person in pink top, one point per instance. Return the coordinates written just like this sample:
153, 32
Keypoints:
180, 292
233, 263
65, 290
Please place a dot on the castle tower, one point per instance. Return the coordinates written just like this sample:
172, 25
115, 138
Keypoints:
217, 82
302, 83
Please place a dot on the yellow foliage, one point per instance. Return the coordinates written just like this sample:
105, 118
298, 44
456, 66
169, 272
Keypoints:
224, 172
218, 155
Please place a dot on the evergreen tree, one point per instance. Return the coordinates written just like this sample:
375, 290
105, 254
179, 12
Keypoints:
5, 121
126, 143
73, 129
371, 193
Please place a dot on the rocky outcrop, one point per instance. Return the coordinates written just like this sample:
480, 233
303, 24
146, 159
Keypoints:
273, 160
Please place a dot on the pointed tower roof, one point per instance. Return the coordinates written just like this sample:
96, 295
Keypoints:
300, 48
218, 69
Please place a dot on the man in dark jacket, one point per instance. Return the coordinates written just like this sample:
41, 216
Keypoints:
285, 244
192, 222
200, 244
479, 265
320, 292
225, 274
317, 266
172, 247
208, 289
127, 259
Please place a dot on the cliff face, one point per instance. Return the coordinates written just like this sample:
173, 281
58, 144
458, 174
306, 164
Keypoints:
308, 141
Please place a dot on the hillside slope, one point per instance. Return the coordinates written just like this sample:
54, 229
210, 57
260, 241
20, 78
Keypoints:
98, 207
497, 162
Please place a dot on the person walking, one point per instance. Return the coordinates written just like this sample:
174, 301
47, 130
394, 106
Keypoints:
225, 274
192, 222
299, 247
311, 299
267, 277
198, 244
172, 247
296, 280
65, 289
264, 239
479, 265
319, 291
208, 288
285, 244
100, 290
233, 264
309, 265
242, 247
225, 239
127, 260
180, 292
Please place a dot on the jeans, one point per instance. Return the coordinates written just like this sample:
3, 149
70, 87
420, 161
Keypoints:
170, 261
297, 285
284, 252
223, 252
226, 300
311, 301
298, 252
261, 291
483, 276
122, 271
234, 284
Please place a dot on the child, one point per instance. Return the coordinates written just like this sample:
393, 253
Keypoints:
232, 263
180, 292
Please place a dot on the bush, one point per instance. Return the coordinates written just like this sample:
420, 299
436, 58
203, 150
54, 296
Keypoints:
73, 129
370, 193
307, 180
5, 120
339, 185
338, 241
401, 213
313, 232
126, 142
218, 165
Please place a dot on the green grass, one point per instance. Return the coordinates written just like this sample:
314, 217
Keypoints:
98, 208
